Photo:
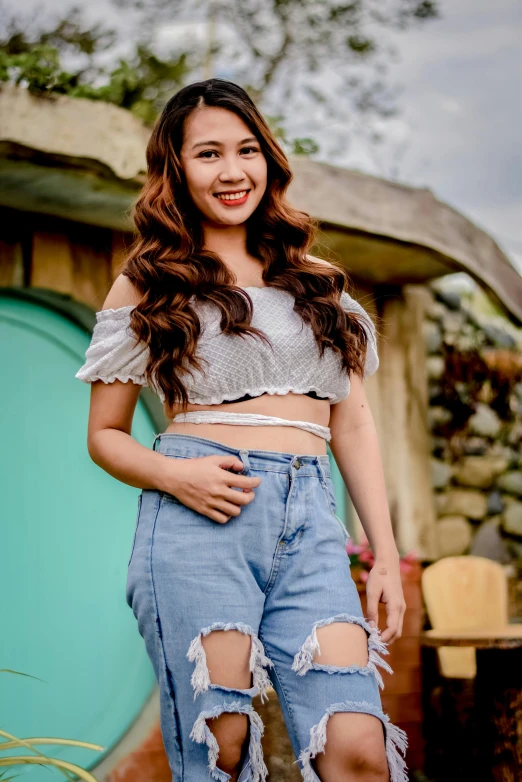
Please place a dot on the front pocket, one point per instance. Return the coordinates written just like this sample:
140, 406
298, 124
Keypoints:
170, 498
344, 532
165, 496
329, 491
140, 498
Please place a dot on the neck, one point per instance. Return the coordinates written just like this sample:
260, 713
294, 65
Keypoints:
225, 240
229, 242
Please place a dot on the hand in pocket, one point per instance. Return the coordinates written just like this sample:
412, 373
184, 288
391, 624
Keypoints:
209, 485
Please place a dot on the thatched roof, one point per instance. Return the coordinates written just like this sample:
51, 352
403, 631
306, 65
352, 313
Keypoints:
85, 160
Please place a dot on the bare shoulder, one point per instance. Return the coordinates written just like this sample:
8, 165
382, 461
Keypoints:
122, 294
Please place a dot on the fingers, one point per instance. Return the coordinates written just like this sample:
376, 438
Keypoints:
238, 497
217, 515
223, 510
372, 606
233, 463
230, 505
242, 481
394, 614
229, 462
394, 621
228, 508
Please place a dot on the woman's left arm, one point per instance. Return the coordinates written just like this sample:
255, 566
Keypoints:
355, 447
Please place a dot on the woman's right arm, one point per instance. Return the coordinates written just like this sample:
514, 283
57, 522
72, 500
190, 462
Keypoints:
204, 484
111, 412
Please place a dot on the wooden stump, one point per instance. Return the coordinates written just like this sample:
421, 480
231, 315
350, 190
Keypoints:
498, 693
490, 748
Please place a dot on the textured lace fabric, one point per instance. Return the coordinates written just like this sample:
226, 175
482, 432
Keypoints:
234, 366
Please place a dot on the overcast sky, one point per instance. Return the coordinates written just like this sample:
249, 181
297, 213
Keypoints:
462, 113
459, 130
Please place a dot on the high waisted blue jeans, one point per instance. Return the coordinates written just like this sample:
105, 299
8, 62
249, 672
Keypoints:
278, 571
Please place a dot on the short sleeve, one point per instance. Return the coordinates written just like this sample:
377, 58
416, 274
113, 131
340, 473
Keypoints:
114, 353
372, 358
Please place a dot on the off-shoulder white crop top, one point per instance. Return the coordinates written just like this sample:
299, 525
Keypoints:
236, 366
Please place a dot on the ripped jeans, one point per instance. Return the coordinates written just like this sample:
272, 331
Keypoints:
277, 572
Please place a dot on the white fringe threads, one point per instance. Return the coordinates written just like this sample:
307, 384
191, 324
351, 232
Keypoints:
203, 735
395, 740
303, 660
200, 678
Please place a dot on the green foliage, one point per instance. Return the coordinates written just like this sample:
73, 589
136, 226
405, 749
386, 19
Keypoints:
141, 84
295, 146
360, 44
426, 9
63, 57
37, 69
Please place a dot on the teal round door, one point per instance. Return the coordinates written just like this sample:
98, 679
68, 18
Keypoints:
66, 536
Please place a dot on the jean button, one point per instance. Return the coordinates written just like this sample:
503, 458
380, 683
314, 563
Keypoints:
297, 464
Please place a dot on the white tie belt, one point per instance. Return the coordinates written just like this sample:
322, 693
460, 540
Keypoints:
249, 419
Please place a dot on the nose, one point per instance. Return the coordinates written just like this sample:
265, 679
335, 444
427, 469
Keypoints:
232, 170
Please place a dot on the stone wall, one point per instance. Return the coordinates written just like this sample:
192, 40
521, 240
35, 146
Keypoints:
475, 418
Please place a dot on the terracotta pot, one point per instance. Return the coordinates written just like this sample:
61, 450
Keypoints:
402, 693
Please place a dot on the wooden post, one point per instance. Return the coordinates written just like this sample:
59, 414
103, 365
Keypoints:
121, 242
403, 421
11, 264
75, 260
52, 264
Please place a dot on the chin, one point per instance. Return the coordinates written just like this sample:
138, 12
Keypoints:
233, 219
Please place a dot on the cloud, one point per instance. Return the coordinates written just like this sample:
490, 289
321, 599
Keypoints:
461, 113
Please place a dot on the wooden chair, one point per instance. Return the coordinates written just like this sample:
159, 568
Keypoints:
466, 592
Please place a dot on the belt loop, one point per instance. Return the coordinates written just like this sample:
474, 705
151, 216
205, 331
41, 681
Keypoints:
321, 469
243, 455
156, 438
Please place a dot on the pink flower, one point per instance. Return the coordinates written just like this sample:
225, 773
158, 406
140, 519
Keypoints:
352, 548
364, 575
366, 556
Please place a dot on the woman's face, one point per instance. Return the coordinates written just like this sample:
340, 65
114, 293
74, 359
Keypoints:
220, 154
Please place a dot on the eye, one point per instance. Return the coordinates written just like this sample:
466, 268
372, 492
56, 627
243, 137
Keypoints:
213, 151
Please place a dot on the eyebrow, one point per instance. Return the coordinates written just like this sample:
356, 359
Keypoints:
219, 143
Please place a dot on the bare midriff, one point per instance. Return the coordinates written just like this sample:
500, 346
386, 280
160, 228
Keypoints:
288, 439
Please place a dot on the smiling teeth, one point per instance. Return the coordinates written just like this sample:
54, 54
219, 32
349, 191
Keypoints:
234, 196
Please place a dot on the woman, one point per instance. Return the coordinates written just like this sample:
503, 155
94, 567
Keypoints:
238, 574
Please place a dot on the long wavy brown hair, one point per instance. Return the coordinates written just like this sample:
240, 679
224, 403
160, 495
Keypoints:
168, 265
